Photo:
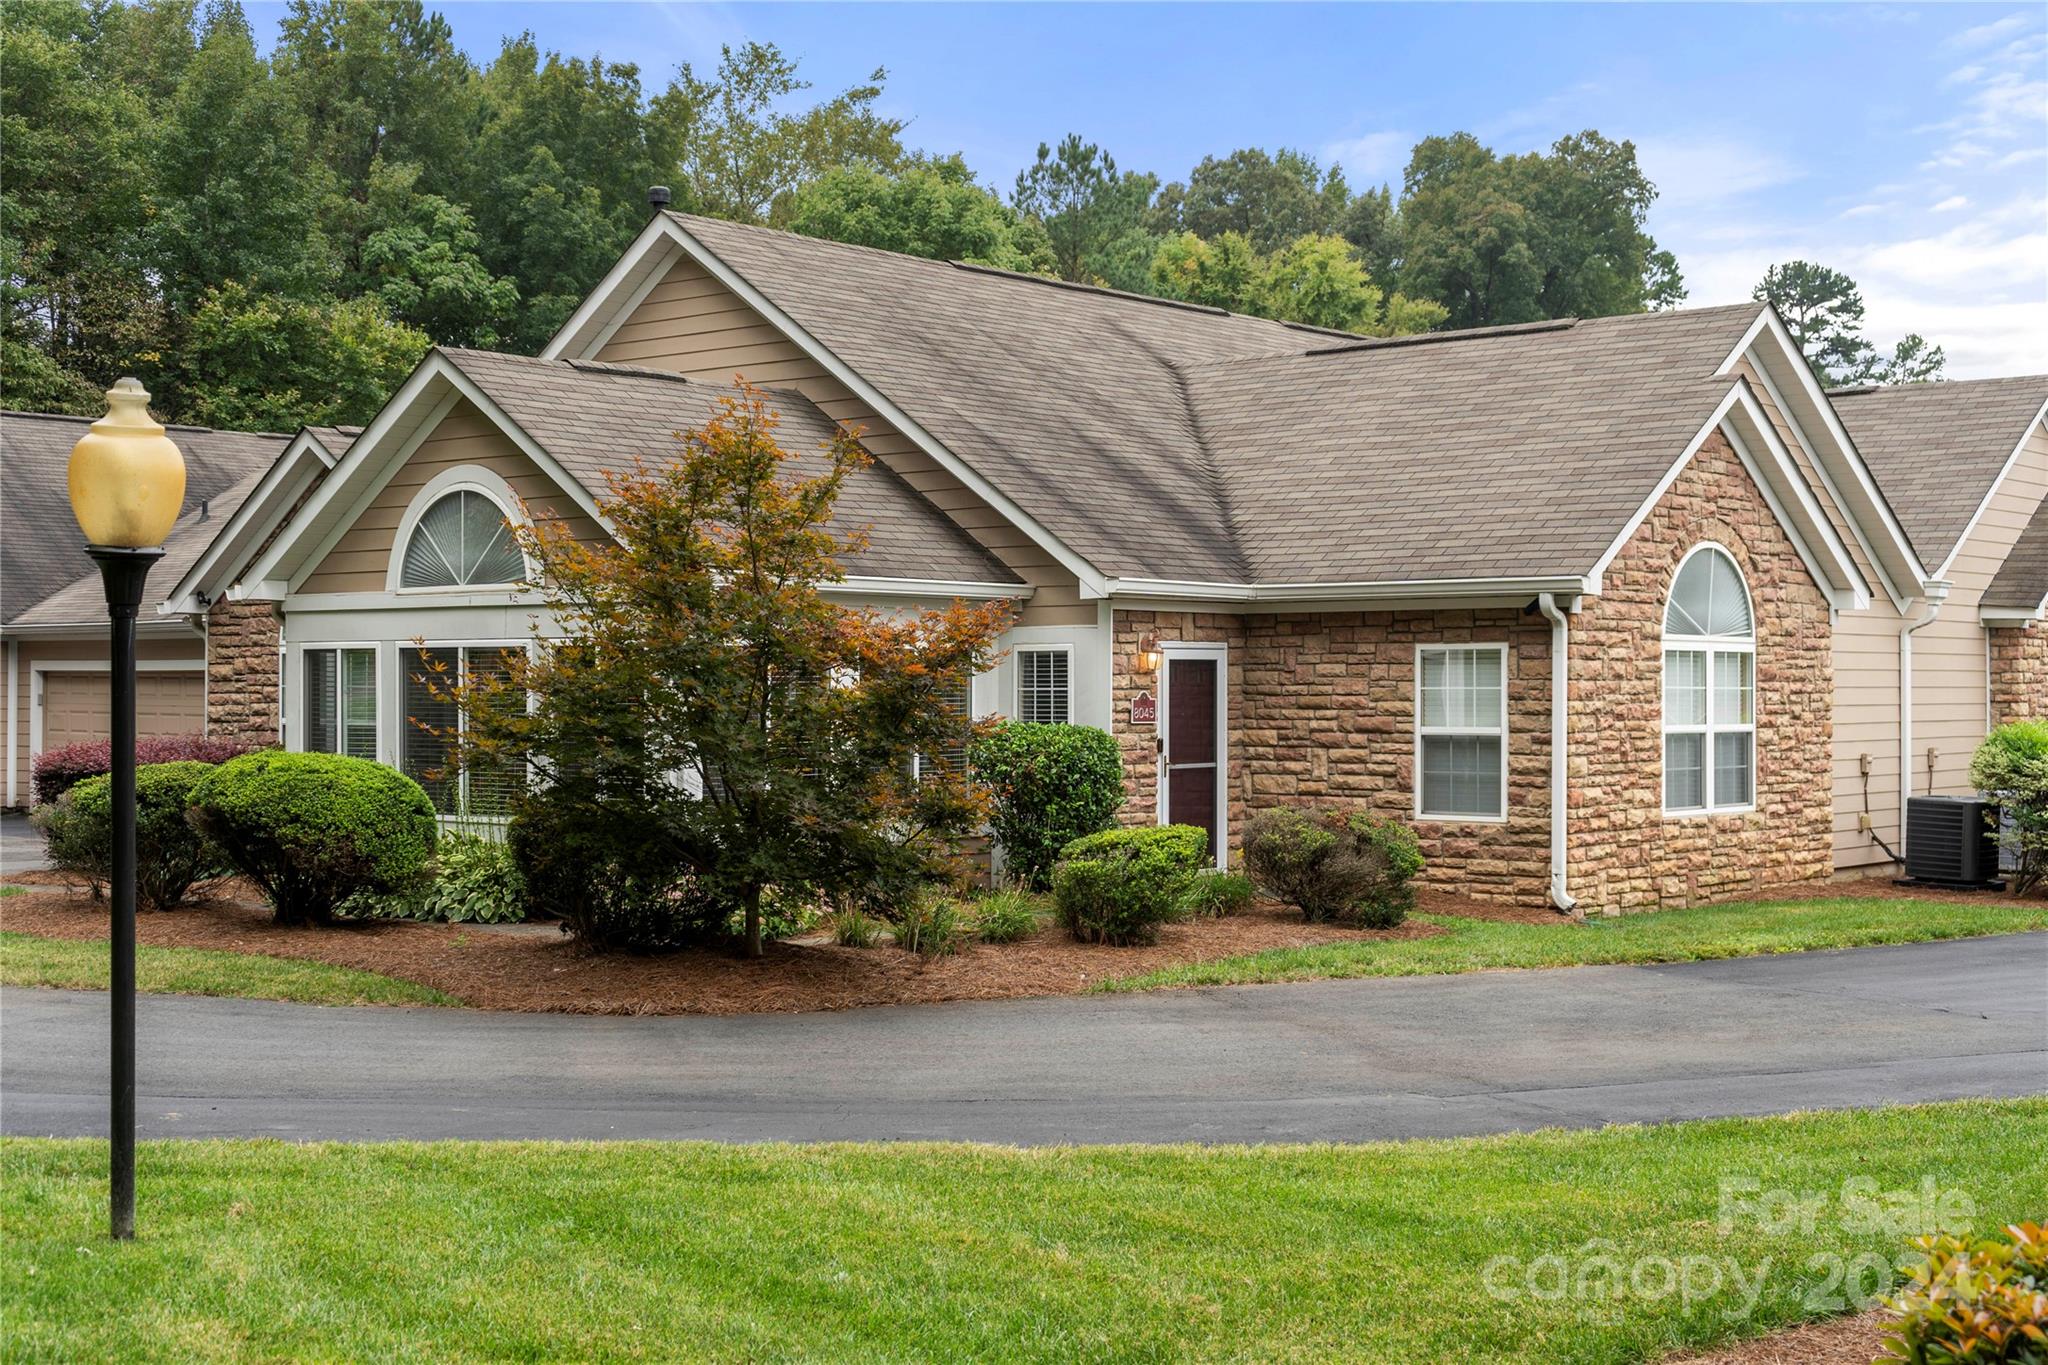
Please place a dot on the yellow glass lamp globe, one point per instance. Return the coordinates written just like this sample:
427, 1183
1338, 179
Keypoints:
127, 477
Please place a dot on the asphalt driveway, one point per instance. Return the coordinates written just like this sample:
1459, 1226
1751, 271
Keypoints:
21, 848
1319, 1061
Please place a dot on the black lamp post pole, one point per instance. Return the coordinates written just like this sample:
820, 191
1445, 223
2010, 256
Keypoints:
124, 572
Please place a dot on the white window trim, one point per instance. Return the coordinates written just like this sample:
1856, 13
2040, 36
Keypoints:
1422, 731
1017, 691
1710, 646
294, 712
470, 478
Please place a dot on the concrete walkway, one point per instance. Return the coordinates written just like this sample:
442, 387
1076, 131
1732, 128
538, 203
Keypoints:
1333, 1060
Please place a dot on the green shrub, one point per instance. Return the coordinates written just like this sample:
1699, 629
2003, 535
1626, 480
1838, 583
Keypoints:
617, 880
1120, 885
1049, 784
1212, 895
476, 881
1347, 867
2011, 767
1973, 1300
313, 830
1004, 916
852, 929
929, 926
170, 854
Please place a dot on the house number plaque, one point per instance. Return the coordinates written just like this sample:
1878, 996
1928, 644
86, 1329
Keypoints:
1144, 709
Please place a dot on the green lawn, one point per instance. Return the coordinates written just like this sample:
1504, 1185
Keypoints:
473, 1251
1471, 945
82, 964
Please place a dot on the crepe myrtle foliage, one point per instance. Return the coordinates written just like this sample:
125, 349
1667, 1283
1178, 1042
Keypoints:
704, 727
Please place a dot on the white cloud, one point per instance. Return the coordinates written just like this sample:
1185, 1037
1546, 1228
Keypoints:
1952, 203
1372, 156
1862, 210
1985, 34
1697, 171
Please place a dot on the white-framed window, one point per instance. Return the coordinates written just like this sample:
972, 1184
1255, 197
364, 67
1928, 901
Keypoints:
462, 539
339, 688
1461, 732
1709, 687
431, 728
958, 699
1045, 693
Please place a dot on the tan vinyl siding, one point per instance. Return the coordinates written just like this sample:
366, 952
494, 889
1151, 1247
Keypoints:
1866, 710
692, 324
361, 560
1950, 679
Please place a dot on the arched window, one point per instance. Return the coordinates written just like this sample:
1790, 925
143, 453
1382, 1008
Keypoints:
461, 540
1709, 687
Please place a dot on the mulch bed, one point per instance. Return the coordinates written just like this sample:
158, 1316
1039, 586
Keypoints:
1839, 1341
537, 970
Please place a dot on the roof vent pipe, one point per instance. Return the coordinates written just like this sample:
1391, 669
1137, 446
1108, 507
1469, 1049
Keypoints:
658, 198
1560, 770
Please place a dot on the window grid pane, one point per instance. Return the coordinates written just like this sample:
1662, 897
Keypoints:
359, 703
1734, 769
1042, 686
1685, 778
461, 540
489, 785
1685, 687
1461, 775
1734, 689
1461, 689
426, 740
320, 717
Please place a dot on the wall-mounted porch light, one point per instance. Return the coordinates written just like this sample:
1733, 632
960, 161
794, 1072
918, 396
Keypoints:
1148, 654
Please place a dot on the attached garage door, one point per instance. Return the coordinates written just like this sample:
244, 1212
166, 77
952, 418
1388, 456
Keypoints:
75, 705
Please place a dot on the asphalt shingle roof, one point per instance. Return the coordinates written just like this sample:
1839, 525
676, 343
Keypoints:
41, 549
83, 601
1161, 441
1937, 449
2022, 580
594, 417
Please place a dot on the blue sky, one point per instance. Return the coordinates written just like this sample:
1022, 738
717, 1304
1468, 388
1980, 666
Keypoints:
1905, 144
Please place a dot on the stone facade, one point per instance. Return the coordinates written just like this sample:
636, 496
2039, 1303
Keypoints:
2019, 673
1322, 713
1625, 854
242, 670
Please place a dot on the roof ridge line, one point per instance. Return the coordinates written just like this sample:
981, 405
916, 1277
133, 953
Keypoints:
1077, 287
1442, 338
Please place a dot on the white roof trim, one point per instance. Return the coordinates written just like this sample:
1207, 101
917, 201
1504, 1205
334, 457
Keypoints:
2012, 616
1392, 588
1834, 571
1892, 551
2011, 463
579, 337
280, 487
371, 462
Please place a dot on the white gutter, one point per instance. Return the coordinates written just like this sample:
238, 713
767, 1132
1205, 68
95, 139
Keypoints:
1934, 593
13, 668
1403, 589
281, 676
1560, 774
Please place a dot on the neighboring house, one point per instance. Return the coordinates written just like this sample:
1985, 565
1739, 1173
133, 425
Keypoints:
1572, 598
53, 614
1966, 467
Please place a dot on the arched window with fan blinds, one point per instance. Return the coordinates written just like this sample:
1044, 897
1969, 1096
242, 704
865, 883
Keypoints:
1709, 687
462, 540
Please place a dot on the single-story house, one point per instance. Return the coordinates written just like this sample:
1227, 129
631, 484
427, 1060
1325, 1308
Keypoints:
1574, 598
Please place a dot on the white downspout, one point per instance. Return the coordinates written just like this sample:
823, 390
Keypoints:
1933, 594
283, 675
1560, 773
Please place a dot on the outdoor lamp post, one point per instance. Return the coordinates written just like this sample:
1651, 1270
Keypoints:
127, 483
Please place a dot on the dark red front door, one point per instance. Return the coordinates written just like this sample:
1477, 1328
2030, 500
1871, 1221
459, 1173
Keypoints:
1191, 747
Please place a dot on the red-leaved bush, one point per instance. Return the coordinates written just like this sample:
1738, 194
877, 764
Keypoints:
58, 770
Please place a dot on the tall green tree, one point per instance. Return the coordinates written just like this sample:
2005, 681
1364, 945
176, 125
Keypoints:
1092, 213
931, 208
743, 155
420, 261
1823, 310
1271, 199
264, 362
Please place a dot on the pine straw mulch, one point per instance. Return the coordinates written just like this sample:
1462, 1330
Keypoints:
533, 968
1838, 1341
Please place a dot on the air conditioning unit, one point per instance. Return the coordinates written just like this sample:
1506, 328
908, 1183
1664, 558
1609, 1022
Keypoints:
1951, 840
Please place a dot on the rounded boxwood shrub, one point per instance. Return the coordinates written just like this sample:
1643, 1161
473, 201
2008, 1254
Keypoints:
1049, 784
313, 830
2011, 766
1344, 866
1120, 885
170, 854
